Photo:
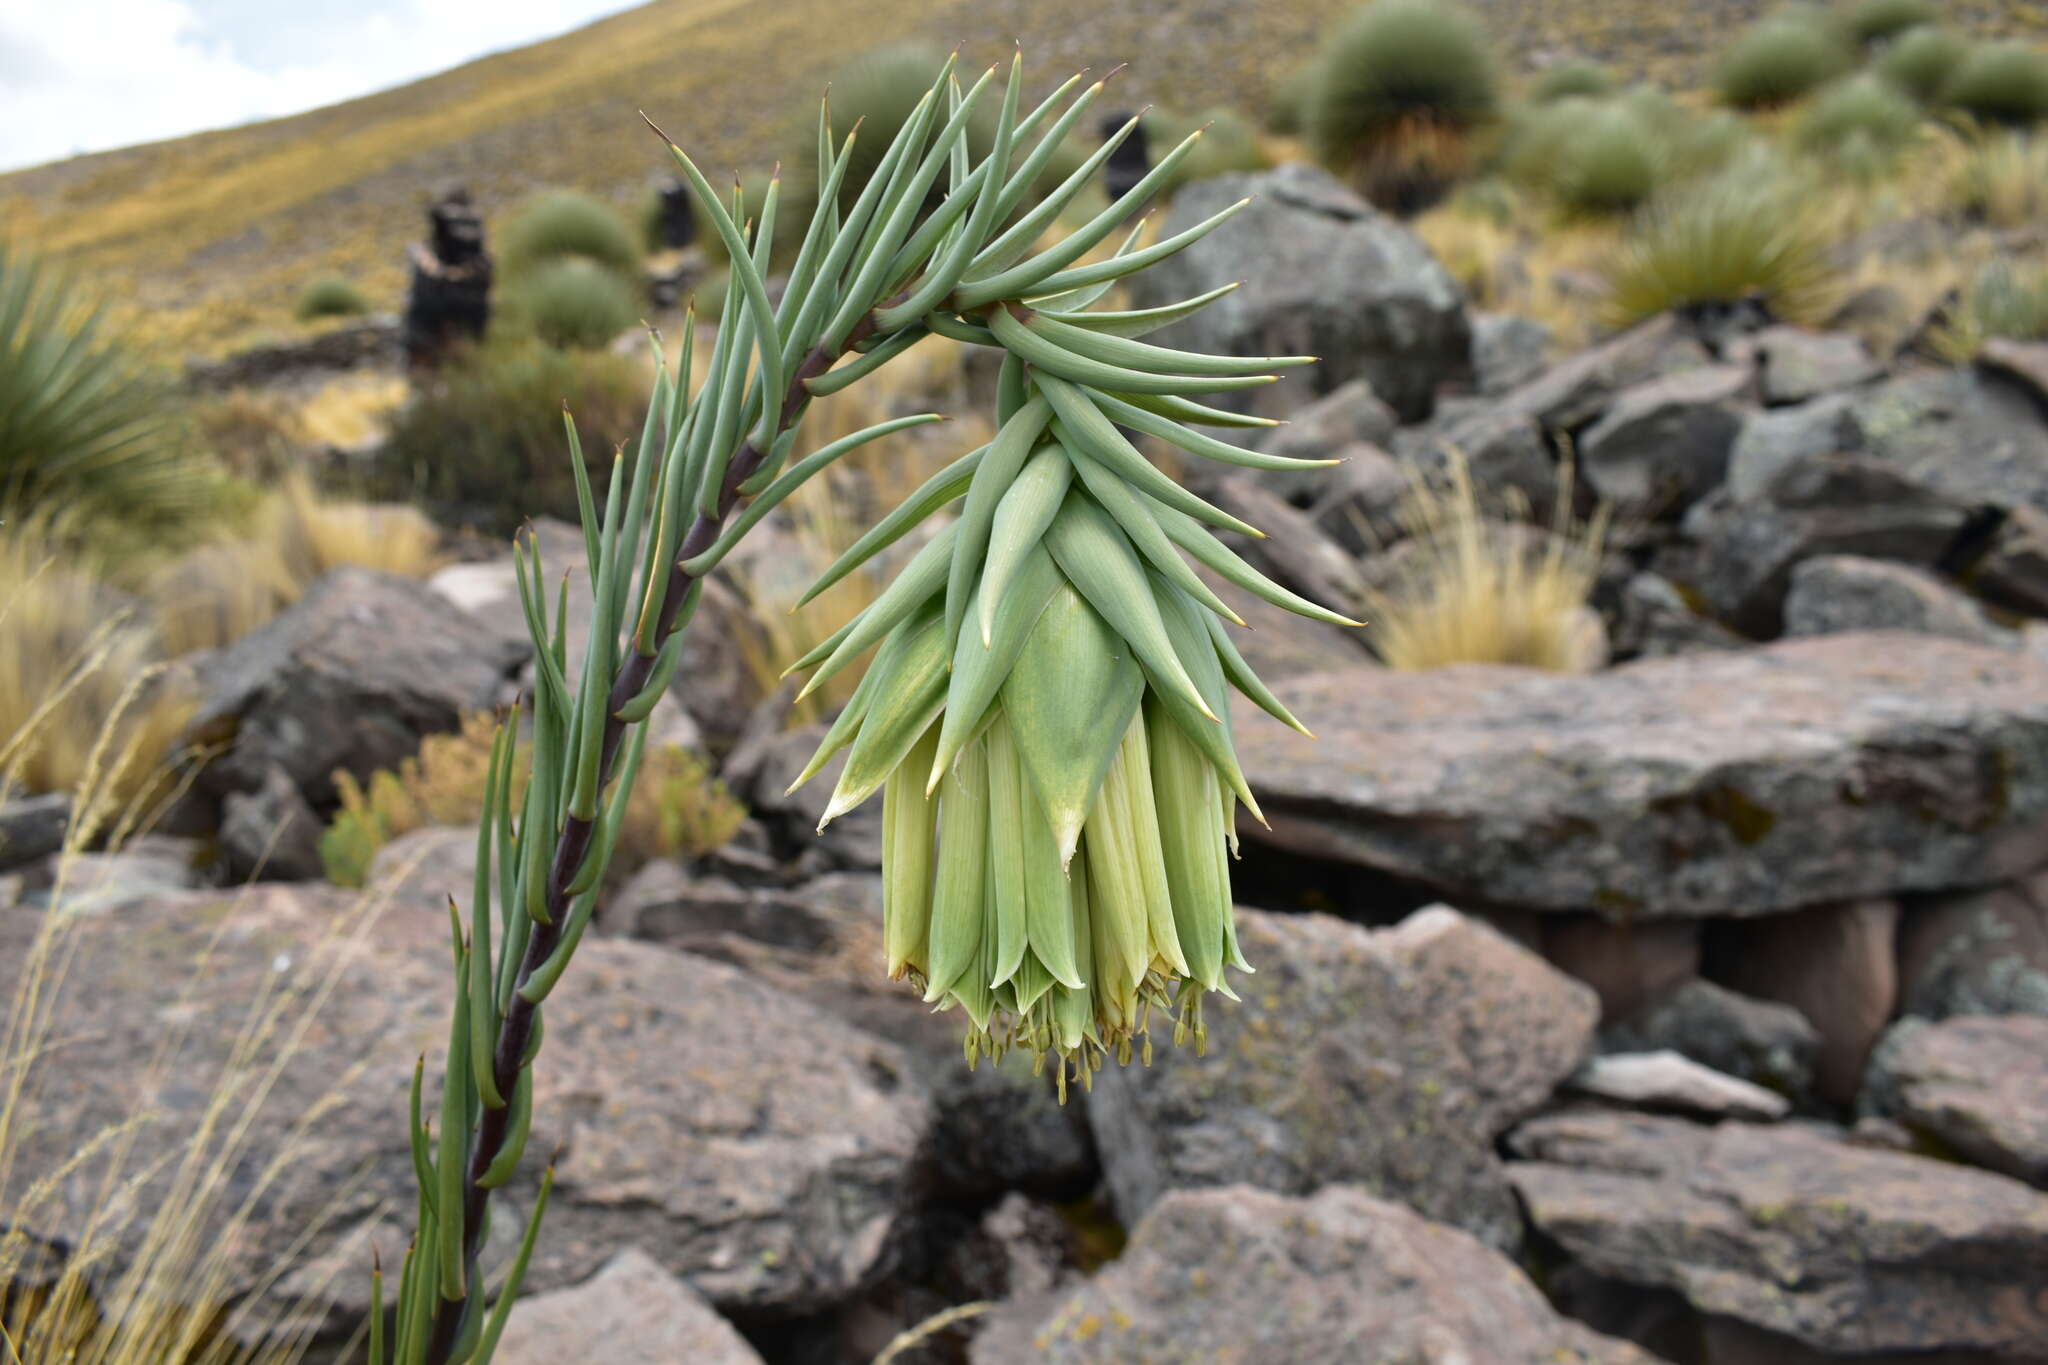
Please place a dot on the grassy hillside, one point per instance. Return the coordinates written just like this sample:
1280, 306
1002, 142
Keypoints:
210, 237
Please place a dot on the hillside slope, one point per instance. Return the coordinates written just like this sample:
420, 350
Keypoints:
210, 237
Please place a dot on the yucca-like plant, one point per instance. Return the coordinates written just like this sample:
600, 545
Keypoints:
2004, 83
1046, 716
1863, 115
1868, 22
1779, 60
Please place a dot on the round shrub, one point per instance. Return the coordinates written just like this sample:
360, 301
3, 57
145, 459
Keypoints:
1287, 103
482, 444
2004, 83
1736, 239
1864, 114
879, 90
1399, 87
1566, 79
330, 297
1777, 61
1875, 21
1922, 61
1591, 156
574, 302
563, 223
1229, 143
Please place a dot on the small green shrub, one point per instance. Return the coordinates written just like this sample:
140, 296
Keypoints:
330, 297
87, 431
879, 90
1738, 238
1591, 156
1874, 21
676, 809
1571, 78
1777, 61
563, 223
1864, 115
1400, 87
1922, 61
1287, 103
573, 302
2004, 83
481, 441
1998, 177
2002, 300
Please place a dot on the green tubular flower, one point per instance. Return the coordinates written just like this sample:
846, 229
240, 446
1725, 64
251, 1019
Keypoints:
1047, 714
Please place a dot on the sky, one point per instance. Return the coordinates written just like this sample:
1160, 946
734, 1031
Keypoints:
85, 75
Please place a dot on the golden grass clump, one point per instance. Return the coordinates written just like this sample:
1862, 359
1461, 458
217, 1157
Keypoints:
143, 1276
81, 688
1742, 238
1470, 588
677, 808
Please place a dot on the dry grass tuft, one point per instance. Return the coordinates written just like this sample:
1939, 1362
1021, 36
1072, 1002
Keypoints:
1470, 589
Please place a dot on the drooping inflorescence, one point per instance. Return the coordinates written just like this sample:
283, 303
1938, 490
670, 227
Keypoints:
1046, 713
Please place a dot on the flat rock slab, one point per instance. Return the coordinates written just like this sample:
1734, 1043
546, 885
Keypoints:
633, 1312
1976, 1087
750, 1143
1848, 1249
1389, 1060
1667, 1080
1739, 783
1248, 1277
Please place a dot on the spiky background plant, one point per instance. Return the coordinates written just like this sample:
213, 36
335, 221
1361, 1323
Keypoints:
1046, 717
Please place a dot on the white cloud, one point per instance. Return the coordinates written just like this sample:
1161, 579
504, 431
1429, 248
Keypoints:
84, 75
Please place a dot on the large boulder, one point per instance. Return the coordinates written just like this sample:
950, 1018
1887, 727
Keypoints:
1834, 593
1324, 274
1798, 365
1908, 469
1737, 783
1976, 952
633, 1312
1850, 1250
1664, 443
1975, 1087
748, 1142
1254, 1278
352, 676
1389, 1060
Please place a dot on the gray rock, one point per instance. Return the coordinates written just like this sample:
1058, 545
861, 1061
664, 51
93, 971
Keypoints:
996, 1127
1324, 274
1350, 414
351, 677
762, 1150
271, 833
1976, 1087
1279, 644
1771, 442
1388, 1060
1253, 1278
1974, 439
1852, 1251
1576, 390
1717, 784
1976, 952
141, 870
1508, 351
759, 774
2023, 362
1837, 965
633, 1312
1830, 594
2013, 569
1799, 365
1361, 503
1664, 443
1654, 621
1504, 449
1294, 552
1020, 1248
1664, 1080
427, 865
704, 709
1763, 1041
32, 826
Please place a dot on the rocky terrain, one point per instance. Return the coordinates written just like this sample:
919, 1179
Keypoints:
1690, 1008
